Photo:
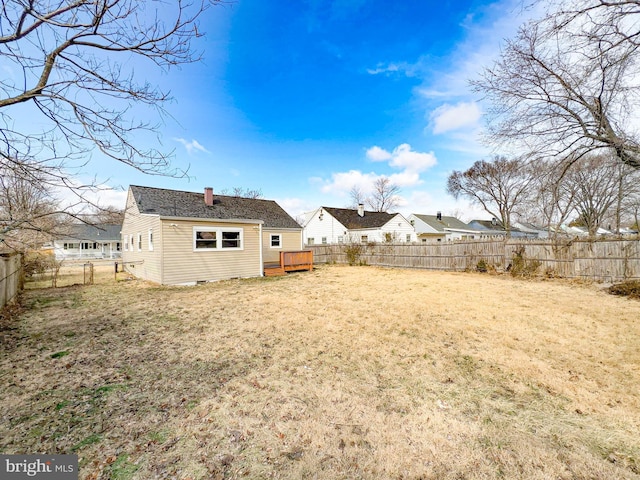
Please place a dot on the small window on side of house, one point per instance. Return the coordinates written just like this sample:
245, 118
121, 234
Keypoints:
310, 241
276, 240
151, 239
408, 237
205, 239
364, 238
232, 239
324, 240
139, 242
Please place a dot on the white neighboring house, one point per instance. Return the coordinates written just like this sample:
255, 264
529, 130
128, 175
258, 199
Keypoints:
89, 242
532, 229
441, 227
344, 225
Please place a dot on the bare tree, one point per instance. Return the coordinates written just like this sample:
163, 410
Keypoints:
384, 196
499, 186
71, 67
357, 197
597, 182
553, 197
568, 84
28, 213
108, 215
242, 192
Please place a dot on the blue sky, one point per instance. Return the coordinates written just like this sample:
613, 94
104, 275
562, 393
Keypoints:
306, 99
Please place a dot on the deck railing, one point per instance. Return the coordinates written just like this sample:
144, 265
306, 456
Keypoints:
299, 260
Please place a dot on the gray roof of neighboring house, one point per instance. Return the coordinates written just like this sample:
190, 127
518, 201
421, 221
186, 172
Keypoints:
444, 222
488, 225
176, 203
93, 233
350, 218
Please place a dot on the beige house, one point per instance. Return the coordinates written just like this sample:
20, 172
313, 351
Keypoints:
182, 238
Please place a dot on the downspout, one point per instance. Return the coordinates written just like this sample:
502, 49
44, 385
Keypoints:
260, 243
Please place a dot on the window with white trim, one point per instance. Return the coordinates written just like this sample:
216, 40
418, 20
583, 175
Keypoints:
126, 243
139, 242
151, 239
217, 238
131, 242
276, 240
310, 241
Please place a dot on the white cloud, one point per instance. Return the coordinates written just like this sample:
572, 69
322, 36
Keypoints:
192, 145
454, 117
99, 195
342, 182
410, 163
378, 154
403, 157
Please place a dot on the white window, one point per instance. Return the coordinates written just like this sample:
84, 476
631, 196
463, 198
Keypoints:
139, 242
364, 238
408, 237
212, 238
232, 239
340, 239
310, 241
151, 239
131, 242
324, 240
276, 240
126, 243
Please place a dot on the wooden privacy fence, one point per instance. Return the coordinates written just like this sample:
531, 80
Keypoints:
601, 260
10, 277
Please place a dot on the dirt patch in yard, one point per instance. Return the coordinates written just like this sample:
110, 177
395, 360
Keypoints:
345, 372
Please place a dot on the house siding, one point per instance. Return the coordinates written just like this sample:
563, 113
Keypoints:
143, 264
328, 228
398, 227
183, 266
291, 240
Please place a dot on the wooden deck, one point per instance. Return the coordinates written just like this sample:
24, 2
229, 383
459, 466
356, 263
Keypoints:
290, 262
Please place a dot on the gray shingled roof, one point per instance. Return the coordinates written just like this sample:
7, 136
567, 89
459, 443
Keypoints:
176, 203
93, 233
445, 222
350, 218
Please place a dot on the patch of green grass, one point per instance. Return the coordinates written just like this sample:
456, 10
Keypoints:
122, 469
90, 440
109, 388
61, 354
61, 405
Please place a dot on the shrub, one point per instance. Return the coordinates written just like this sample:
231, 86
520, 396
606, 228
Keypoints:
521, 267
353, 252
481, 266
628, 288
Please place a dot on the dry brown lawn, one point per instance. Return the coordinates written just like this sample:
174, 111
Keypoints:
342, 373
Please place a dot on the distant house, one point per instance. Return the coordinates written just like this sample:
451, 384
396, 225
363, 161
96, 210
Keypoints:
181, 238
583, 231
494, 228
440, 227
89, 242
344, 225
532, 229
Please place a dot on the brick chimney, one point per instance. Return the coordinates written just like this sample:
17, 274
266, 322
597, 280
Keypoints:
361, 209
208, 196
